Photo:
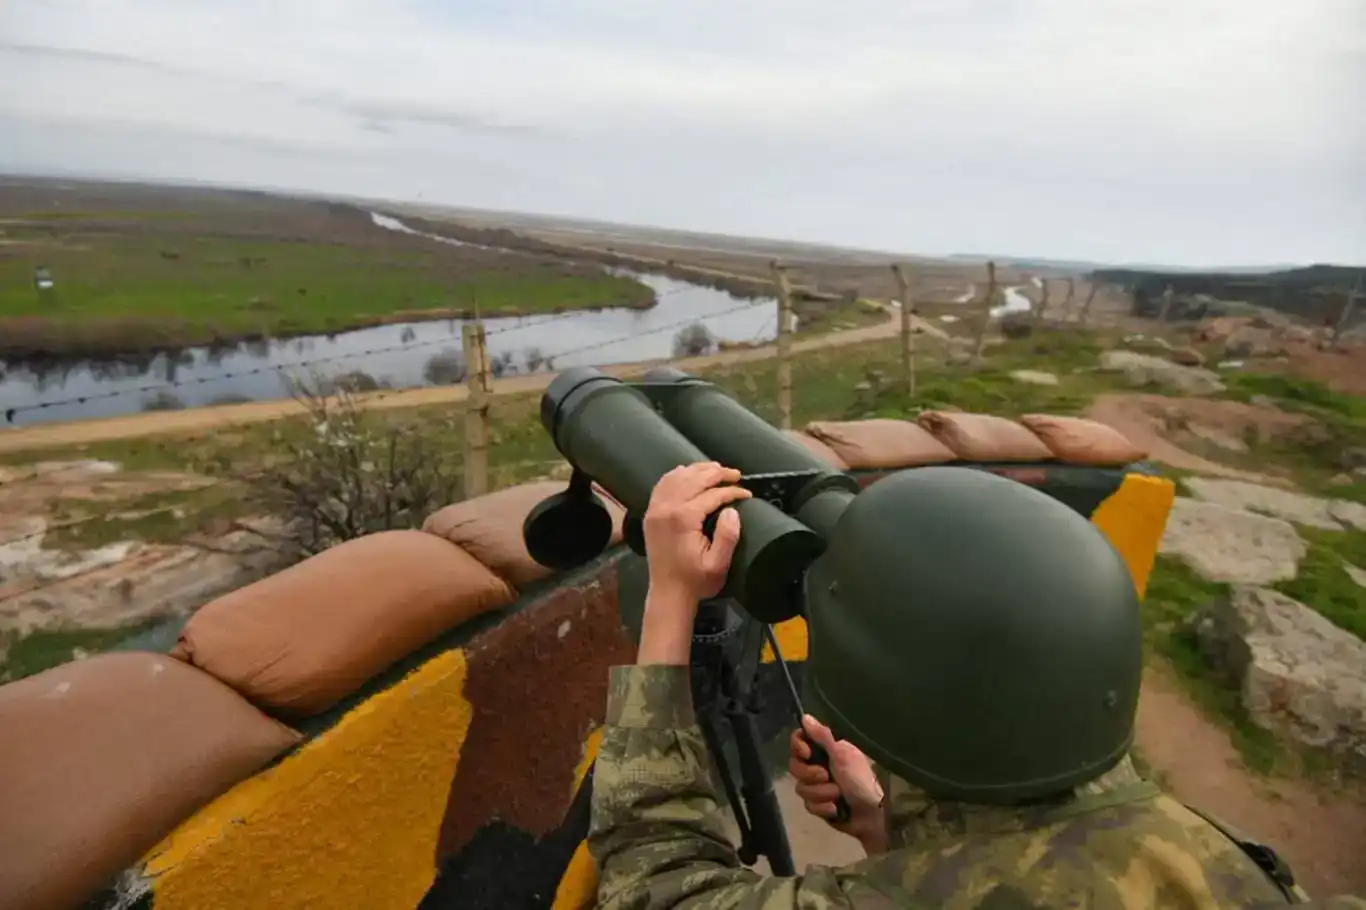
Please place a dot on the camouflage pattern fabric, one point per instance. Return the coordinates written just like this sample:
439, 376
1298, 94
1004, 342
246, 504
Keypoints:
658, 837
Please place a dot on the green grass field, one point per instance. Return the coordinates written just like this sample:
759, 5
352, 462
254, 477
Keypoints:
132, 282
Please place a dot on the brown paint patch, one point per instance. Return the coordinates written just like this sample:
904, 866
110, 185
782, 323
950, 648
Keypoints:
1034, 477
538, 685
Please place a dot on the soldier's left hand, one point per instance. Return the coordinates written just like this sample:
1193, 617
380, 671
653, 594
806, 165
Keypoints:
684, 564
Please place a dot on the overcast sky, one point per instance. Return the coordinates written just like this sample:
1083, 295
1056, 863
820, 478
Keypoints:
1182, 131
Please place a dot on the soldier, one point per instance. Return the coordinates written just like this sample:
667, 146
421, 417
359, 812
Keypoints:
998, 706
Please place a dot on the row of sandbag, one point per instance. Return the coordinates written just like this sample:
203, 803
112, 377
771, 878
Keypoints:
940, 437
100, 758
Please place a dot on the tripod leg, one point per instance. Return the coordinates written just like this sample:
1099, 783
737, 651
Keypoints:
761, 803
745, 850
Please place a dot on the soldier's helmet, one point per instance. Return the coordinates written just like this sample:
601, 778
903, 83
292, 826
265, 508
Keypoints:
974, 636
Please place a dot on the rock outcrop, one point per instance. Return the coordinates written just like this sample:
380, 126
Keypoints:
1143, 370
1329, 514
1298, 674
1231, 545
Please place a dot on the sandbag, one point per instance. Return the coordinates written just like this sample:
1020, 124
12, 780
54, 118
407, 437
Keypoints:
984, 437
100, 758
880, 443
298, 642
489, 528
1080, 441
817, 448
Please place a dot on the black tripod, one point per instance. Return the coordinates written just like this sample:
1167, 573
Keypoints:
725, 663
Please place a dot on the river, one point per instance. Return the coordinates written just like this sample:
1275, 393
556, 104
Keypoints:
403, 355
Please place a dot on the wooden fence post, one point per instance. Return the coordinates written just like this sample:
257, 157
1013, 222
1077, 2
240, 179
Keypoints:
903, 285
784, 345
1086, 307
1346, 314
1067, 301
1043, 300
1167, 296
986, 317
479, 383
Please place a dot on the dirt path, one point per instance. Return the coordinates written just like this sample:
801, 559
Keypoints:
201, 420
1321, 835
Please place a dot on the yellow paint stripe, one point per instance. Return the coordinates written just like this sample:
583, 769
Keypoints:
590, 752
1134, 518
351, 820
579, 885
792, 640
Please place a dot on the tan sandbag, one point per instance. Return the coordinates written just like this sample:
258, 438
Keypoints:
984, 437
879, 443
817, 448
100, 758
1080, 441
300, 641
489, 528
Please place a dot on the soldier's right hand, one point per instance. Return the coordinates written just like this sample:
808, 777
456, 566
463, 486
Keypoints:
854, 779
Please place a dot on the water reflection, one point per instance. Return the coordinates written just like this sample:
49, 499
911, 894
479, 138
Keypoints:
400, 355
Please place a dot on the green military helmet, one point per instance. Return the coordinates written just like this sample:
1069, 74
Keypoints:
975, 636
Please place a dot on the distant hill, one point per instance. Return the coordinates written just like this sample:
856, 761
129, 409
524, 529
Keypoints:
1315, 293
1084, 266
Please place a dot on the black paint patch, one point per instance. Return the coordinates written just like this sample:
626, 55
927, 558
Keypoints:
109, 898
505, 868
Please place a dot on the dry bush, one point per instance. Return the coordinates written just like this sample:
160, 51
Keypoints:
339, 472
1017, 325
694, 341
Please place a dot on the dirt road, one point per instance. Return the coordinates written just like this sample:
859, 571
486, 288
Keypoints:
201, 420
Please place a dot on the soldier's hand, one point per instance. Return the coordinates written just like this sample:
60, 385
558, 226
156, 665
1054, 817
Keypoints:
853, 778
684, 564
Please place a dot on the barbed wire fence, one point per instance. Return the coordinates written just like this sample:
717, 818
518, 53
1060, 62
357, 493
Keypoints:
479, 374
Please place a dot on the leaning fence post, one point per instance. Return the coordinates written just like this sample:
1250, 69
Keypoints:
1086, 307
784, 345
986, 317
479, 383
1043, 300
1346, 314
1167, 296
903, 285
1067, 301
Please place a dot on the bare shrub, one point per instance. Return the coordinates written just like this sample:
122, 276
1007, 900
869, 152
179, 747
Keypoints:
535, 359
163, 401
354, 381
339, 472
502, 363
445, 367
1017, 325
694, 341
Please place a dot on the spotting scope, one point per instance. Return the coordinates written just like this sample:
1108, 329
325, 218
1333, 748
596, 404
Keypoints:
624, 436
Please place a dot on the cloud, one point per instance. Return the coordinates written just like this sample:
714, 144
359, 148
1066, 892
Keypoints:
1190, 130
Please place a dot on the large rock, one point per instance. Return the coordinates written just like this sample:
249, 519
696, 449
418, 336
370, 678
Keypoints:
1298, 674
1142, 370
1330, 514
130, 582
1231, 545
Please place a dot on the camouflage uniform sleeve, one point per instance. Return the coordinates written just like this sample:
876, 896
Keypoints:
657, 832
